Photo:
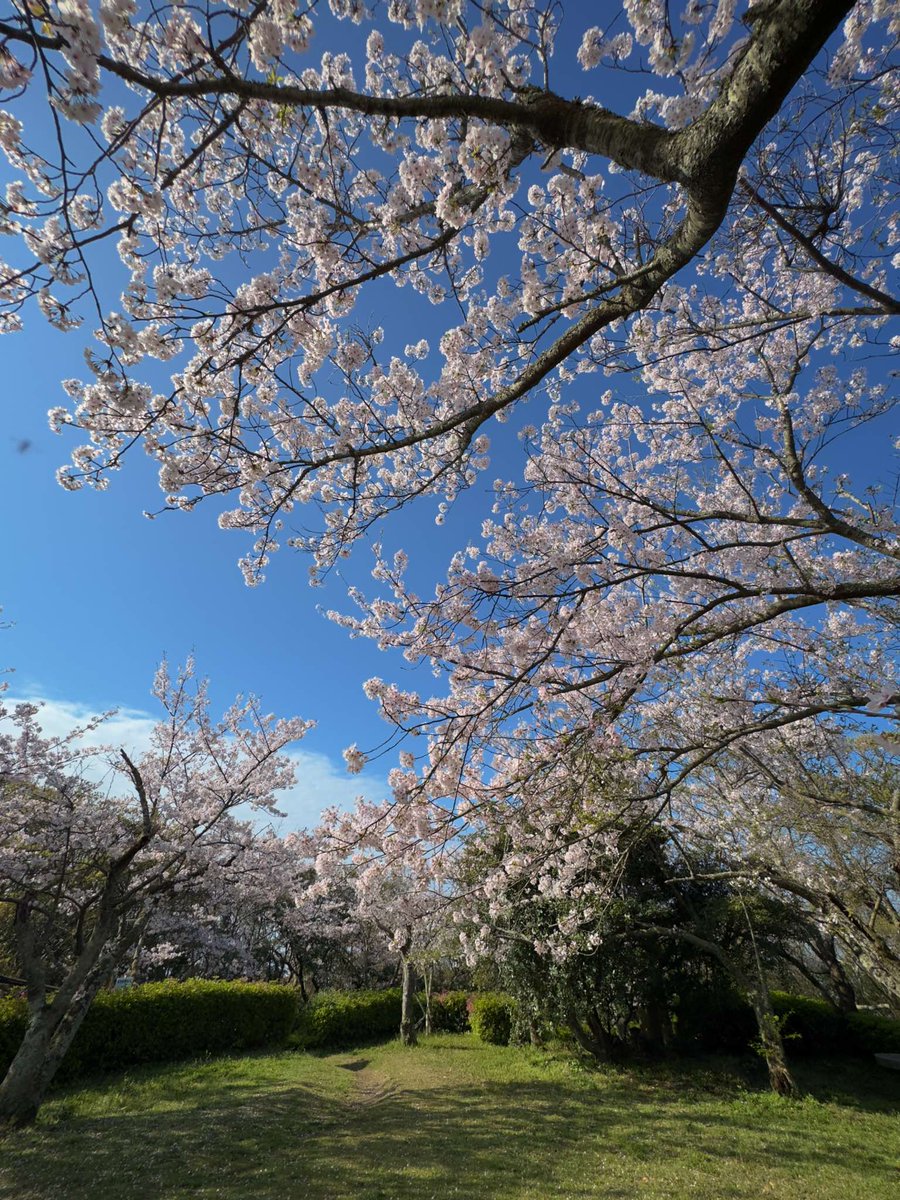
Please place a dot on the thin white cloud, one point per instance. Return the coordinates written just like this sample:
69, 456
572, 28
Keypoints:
321, 782
128, 728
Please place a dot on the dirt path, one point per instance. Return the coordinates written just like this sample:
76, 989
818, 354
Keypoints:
372, 1087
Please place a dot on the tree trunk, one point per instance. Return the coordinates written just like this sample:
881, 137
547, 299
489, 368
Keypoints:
655, 1026
301, 982
598, 1045
427, 980
37, 1060
407, 1015
770, 1039
842, 993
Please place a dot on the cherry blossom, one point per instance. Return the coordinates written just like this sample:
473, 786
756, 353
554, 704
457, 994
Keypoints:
657, 319
85, 865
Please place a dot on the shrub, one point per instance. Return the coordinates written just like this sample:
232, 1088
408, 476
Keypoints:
162, 1022
491, 1017
725, 1022
13, 1023
449, 1012
809, 1026
348, 1018
871, 1033
718, 1020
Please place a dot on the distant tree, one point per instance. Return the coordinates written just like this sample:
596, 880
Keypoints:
395, 860
84, 864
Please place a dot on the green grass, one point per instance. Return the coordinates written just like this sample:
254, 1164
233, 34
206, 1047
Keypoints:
455, 1118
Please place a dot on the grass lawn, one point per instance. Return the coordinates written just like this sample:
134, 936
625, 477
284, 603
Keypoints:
455, 1118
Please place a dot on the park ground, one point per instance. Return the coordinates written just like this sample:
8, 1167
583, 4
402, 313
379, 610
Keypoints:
456, 1118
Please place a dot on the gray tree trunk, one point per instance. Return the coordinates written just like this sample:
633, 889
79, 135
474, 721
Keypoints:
407, 1009
771, 1042
44, 1046
841, 989
427, 981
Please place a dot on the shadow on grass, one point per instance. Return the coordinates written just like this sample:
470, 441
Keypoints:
241, 1140
851, 1083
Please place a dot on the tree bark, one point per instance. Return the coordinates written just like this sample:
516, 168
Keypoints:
44, 1046
655, 1025
842, 994
407, 1014
427, 981
771, 1042
598, 1044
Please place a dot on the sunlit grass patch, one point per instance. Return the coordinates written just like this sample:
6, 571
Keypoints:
451, 1118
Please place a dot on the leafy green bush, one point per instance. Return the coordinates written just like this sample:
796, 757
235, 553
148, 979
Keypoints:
161, 1022
871, 1033
348, 1018
809, 1026
13, 1023
725, 1022
491, 1017
450, 1012
718, 1020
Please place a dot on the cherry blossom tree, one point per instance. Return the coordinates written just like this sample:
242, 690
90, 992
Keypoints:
599, 912
813, 816
721, 243
318, 933
697, 553
85, 864
396, 862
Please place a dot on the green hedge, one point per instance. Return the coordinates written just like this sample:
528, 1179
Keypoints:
338, 1019
491, 1017
717, 1021
13, 1023
348, 1018
809, 1026
161, 1022
871, 1033
449, 1012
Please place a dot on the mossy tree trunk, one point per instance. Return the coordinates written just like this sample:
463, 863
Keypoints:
47, 1039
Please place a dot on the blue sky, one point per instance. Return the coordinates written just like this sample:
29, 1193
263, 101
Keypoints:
96, 594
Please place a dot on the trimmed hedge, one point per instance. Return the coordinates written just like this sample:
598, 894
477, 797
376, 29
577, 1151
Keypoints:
718, 1021
336, 1019
491, 1017
348, 1018
13, 1023
871, 1033
809, 1026
449, 1012
162, 1022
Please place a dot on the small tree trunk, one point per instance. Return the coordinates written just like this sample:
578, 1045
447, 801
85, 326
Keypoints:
37, 1060
407, 1015
842, 993
597, 1046
427, 980
600, 1034
301, 982
655, 1026
771, 1041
